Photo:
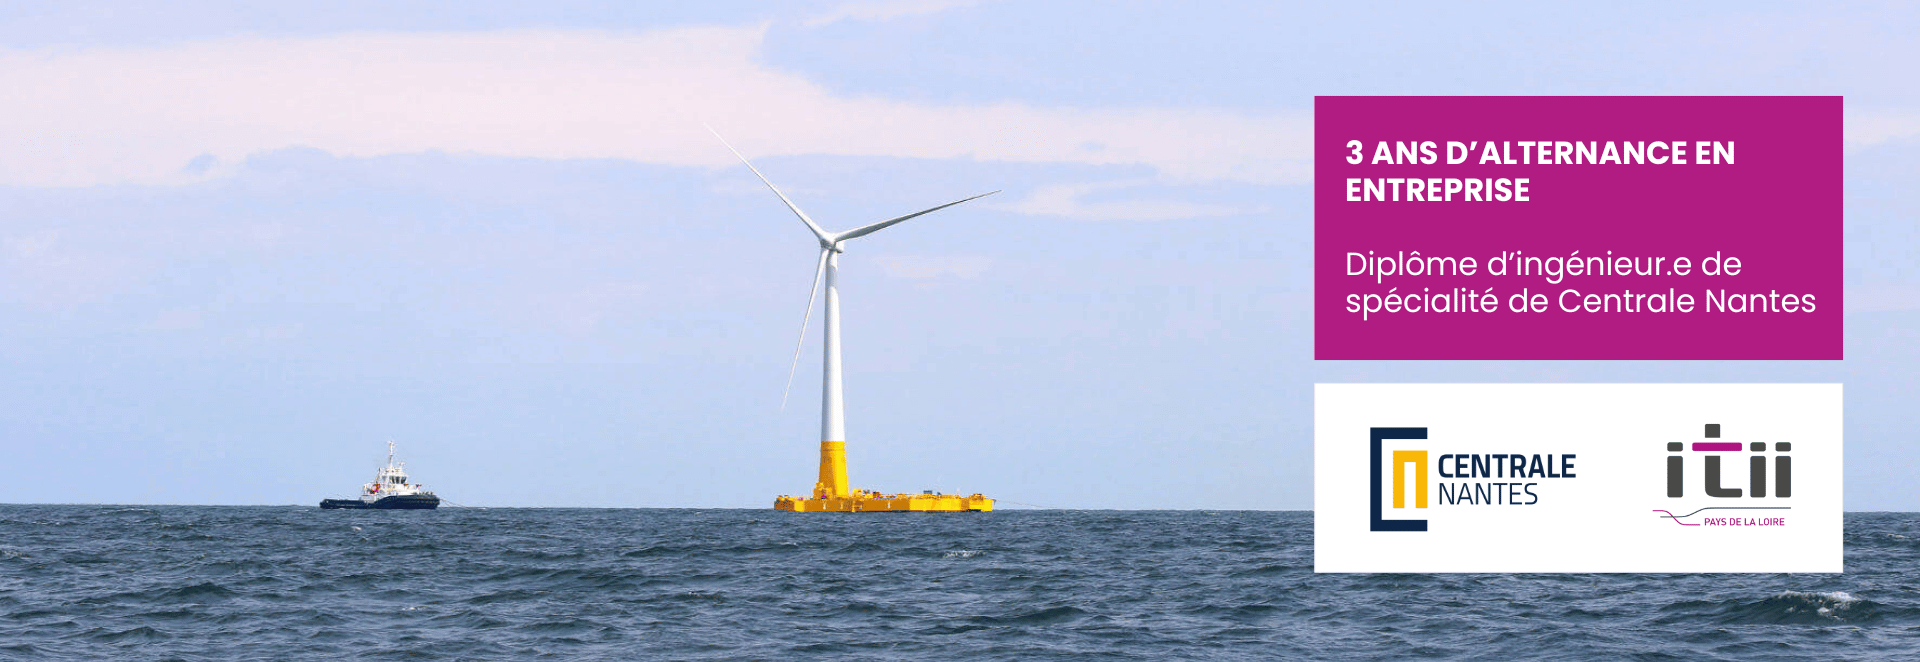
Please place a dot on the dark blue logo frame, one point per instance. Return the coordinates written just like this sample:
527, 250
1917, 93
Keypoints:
1373, 496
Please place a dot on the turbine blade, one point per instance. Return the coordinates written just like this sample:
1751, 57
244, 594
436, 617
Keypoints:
870, 229
815, 227
817, 272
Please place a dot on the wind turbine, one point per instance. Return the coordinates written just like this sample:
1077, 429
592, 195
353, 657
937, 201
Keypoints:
832, 492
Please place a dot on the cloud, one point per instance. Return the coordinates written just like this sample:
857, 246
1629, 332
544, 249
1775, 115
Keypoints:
1883, 299
52, 271
177, 319
1872, 126
166, 114
1071, 201
885, 11
31, 246
933, 266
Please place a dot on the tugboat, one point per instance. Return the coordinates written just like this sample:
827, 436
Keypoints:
388, 491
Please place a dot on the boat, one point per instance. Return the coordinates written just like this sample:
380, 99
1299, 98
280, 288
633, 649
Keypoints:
388, 491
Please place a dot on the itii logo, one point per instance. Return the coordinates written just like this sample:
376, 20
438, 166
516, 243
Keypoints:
1755, 487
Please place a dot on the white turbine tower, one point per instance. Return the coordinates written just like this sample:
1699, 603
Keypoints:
833, 492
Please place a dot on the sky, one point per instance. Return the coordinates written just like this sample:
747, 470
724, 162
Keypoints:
242, 244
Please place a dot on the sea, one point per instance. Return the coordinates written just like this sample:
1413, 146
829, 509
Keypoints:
300, 583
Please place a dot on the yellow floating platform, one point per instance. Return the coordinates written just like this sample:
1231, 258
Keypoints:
831, 494
861, 502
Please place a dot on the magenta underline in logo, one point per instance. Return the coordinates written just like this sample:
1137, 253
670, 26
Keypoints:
1718, 446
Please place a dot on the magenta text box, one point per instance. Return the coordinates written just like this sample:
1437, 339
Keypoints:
1768, 195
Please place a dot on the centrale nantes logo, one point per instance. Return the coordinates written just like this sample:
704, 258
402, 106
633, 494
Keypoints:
1466, 479
1755, 487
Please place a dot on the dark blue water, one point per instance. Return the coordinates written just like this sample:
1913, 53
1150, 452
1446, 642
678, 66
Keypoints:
216, 583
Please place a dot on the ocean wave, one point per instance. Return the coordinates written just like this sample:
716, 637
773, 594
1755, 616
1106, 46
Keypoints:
1048, 616
296, 583
139, 635
1783, 607
1831, 604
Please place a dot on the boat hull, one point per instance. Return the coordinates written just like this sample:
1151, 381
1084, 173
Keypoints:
399, 502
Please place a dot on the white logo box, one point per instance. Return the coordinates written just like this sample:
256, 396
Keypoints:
1614, 513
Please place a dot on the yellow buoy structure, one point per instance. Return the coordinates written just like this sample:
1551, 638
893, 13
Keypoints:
832, 492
